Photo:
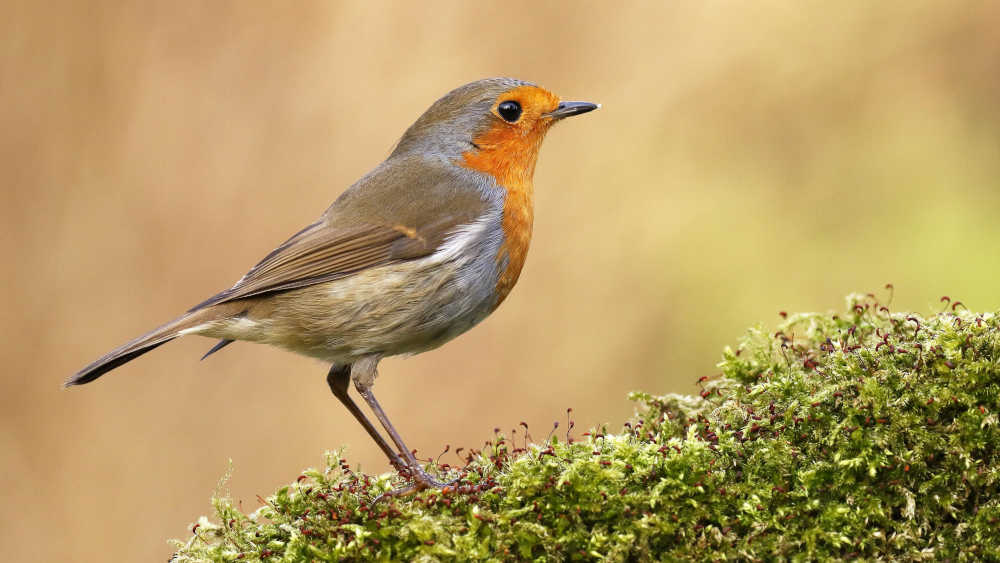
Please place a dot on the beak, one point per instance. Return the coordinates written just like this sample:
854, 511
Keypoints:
567, 109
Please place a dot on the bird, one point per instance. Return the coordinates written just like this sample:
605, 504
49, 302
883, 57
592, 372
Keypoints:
415, 253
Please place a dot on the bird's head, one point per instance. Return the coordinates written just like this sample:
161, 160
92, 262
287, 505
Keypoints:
495, 126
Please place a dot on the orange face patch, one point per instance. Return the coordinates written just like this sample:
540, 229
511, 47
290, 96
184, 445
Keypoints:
508, 152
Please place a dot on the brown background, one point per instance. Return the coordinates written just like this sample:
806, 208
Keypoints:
750, 157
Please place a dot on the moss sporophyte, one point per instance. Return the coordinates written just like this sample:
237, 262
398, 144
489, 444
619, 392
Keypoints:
870, 434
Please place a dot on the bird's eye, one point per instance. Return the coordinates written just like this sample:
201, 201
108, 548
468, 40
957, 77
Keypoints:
509, 110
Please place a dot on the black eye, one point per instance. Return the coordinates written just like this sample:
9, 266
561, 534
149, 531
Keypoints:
509, 110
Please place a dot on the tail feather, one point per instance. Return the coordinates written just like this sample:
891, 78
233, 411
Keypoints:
110, 362
218, 346
137, 347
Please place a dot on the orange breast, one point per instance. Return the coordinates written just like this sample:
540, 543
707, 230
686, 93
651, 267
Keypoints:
508, 152
518, 215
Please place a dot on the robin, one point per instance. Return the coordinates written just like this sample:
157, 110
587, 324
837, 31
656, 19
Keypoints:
413, 254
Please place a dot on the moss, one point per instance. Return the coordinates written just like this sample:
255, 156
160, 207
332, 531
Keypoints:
868, 434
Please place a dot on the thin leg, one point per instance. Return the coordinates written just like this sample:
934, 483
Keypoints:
338, 379
415, 468
363, 373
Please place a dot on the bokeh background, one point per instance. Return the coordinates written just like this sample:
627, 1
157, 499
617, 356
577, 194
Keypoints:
750, 157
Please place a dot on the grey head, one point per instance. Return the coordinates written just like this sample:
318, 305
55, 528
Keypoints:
448, 127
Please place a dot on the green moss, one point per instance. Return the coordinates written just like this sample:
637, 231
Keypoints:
868, 434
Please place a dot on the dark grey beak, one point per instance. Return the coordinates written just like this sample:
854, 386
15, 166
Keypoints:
567, 109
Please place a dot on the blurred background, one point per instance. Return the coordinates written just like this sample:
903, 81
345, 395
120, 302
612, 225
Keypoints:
749, 158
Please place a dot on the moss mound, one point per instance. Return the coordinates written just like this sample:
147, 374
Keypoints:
869, 434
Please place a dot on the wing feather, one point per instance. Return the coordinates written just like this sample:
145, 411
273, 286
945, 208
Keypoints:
400, 217
315, 255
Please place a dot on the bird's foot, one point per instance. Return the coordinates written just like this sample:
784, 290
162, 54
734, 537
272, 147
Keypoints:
421, 481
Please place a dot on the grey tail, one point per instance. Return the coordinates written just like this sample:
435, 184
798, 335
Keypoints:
218, 346
135, 348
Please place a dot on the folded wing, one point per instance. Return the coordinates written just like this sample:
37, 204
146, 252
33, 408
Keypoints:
412, 222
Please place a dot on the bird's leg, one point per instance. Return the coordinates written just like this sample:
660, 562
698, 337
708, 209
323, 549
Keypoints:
363, 373
338, 379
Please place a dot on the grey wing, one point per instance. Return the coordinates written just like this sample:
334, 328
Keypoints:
321, 253
354, 236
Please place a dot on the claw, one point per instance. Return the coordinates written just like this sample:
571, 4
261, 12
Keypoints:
421, 481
